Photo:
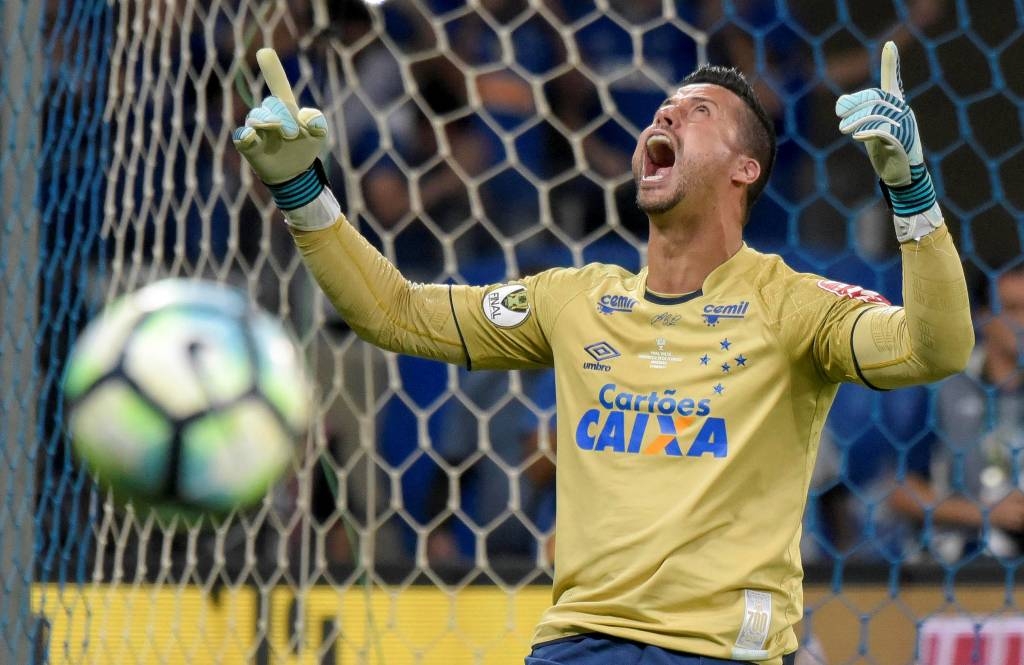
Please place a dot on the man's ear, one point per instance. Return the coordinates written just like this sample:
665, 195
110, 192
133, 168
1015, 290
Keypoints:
746, 171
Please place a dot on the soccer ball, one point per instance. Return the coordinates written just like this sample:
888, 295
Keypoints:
185, 398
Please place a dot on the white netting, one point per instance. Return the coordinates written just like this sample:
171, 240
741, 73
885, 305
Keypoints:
471, 140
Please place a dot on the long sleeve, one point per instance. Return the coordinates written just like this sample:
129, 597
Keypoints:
475, 326
376, 301
932, 335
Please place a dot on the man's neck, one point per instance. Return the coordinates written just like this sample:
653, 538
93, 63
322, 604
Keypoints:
683, 252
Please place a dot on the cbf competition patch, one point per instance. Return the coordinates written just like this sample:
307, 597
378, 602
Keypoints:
850, 291
507, 306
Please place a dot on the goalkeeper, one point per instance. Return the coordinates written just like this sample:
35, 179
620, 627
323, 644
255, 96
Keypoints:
690, 396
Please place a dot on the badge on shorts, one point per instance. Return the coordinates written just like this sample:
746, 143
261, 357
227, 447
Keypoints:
507, 306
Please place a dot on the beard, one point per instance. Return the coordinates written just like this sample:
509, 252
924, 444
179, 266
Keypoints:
663, 201
659, 207
690, 178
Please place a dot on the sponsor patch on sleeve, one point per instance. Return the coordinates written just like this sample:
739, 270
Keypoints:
853, 292
506, 306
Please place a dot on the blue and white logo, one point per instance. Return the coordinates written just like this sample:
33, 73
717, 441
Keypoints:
609, 304
714, 313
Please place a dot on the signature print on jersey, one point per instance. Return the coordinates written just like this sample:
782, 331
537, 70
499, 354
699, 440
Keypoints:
665, 319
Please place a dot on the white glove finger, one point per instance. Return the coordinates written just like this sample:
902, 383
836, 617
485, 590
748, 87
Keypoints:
277, 80
879, 107
875, 134
263, 119
868, 121
848, 104
313, 121
288, 124
246, 139
892, 83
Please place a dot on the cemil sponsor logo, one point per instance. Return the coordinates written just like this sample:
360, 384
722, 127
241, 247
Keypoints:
656, 423
609, 304
714, 313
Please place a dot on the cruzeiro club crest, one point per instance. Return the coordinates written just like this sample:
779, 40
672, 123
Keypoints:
507, 306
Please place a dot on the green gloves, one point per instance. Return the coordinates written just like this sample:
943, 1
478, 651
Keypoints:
282, 142
881, 119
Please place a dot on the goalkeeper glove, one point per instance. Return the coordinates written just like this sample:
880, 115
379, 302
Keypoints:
882, 121
282, 142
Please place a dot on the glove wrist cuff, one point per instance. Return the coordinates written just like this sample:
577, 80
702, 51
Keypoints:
914, 198
917, 226
300, 190
320, 213
914, 207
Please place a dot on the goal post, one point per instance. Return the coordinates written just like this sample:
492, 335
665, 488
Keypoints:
20, 375
472, 141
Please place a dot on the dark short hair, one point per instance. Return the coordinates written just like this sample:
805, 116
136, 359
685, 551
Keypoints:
757, 131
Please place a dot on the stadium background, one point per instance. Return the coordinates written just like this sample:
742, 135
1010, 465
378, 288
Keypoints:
472, 142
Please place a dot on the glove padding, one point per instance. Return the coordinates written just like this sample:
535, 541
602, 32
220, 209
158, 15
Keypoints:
281, 142
278, 145
881, 119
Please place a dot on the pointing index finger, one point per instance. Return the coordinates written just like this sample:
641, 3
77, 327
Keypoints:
891, 82
277, 80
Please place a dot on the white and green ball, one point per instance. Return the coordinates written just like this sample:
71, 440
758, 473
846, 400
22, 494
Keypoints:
184, 397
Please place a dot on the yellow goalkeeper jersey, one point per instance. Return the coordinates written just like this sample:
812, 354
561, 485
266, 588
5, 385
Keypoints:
687, 427
687, 432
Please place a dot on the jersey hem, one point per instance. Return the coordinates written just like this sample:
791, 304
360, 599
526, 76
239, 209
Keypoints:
567, 638
764, 657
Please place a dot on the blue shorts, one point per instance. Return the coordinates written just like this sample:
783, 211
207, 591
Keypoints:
597, 649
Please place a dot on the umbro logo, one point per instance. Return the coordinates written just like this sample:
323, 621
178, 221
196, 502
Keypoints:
601, 352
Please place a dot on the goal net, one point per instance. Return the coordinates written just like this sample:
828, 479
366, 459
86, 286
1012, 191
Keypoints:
472, 141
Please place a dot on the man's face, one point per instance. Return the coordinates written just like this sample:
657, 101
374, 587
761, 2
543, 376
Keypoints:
1004, 333
689, 147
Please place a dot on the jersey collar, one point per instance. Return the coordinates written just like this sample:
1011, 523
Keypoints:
736, 265
659, 299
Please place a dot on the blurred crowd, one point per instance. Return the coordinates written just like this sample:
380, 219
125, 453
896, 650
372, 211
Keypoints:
469, 161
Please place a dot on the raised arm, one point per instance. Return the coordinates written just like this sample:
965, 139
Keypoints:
282, 143
932, 335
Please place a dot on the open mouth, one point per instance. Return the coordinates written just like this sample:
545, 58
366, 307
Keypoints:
661, 155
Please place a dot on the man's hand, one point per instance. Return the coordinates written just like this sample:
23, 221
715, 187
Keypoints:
1008, 514
281, 141
882, 121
